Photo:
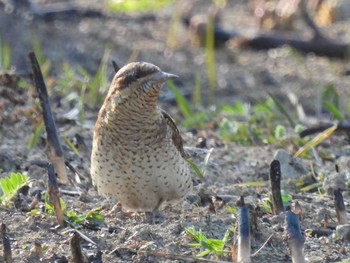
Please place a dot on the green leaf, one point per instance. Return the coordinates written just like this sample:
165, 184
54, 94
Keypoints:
210, 57
203, 254
195, 168
286, 199
10, 185
91, 218
238, 109
34, 139
280, 132
128, 6
330, 95
5, 56
311, 187
210, 245
333, 109
282, 109
232, 210
180, 99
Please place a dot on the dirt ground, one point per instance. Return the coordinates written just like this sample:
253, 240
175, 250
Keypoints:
242, 75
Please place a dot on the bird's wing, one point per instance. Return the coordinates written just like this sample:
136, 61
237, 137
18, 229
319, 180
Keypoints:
177, 139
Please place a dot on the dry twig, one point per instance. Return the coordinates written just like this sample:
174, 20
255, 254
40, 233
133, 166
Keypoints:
56, 152
54, 195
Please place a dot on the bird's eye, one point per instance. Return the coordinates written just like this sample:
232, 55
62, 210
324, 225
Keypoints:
137, 75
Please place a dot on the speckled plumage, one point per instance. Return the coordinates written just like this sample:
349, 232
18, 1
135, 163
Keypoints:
137, 153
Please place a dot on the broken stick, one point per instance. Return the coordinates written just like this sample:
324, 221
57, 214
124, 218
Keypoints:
56, 152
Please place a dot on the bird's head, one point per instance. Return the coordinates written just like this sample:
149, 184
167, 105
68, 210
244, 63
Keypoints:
138, 80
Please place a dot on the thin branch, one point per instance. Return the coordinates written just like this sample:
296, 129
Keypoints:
310, 22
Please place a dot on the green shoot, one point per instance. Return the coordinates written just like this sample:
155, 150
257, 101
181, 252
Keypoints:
10, 185
201, 172
281, 108
334, 110
215, 246
280, 132
267, 206
251, 184
197, 91
34, 139
195, 168
286, 199
174, 26
45, 64
210, 57
220, 3
330, 99
128, 6
267, 203
311, 187
5, 56
92, 218
100, 81
71, 145
97, 86
330, 95
181, 100
232, 210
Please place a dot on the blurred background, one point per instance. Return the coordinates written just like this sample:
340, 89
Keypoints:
225, 53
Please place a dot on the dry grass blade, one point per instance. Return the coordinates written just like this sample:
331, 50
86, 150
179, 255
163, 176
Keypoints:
316, 141
263, 245
206, 161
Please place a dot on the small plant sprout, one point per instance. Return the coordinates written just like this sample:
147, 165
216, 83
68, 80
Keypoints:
129, 6
215, 246
5, 56
10, 186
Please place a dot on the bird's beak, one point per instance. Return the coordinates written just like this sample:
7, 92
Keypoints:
164, 76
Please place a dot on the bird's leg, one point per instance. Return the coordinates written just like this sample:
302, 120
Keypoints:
150, 216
